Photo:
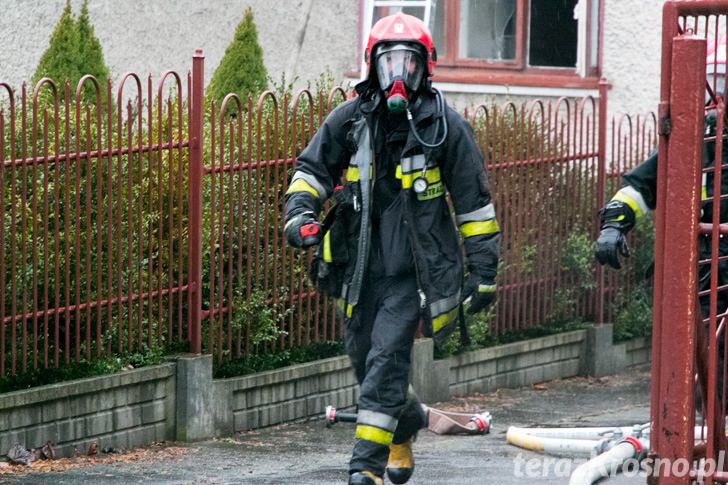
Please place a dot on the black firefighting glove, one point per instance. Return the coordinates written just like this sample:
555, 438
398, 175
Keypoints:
479, 292
617, 218
303, 230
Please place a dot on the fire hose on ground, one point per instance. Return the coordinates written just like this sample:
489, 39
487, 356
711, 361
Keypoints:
611, 447
438, 421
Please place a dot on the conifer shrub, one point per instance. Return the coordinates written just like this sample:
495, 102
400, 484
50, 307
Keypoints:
241, 70
74, 51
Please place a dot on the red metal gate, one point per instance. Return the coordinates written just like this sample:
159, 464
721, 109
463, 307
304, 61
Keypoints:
689, 326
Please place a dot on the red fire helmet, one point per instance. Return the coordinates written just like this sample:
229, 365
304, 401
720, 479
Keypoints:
401, 27
716, 56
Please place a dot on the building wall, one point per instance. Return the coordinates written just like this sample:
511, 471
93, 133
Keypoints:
299, 37
631, 62
632, 47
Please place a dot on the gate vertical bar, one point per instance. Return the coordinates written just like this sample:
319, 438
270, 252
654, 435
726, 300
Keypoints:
195, 238
669, 23
678, 259
601, 187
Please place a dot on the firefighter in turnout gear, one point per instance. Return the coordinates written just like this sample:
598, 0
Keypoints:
388, 250
638, 194
637, 198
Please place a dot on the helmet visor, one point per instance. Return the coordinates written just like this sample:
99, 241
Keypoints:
399, 62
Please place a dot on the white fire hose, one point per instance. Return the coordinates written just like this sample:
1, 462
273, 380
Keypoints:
609, 445
556, 445
608, 462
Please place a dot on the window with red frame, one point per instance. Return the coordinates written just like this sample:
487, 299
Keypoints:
490, 40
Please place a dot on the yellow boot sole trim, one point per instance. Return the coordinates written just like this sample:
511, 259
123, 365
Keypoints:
375, 435
377, 480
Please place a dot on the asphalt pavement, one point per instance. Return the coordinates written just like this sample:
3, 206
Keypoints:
308, 453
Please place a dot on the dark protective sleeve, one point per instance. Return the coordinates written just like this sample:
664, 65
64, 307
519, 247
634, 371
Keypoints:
466, 180
321, 163
644, 179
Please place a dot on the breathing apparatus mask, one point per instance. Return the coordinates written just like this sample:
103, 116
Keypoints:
400, 69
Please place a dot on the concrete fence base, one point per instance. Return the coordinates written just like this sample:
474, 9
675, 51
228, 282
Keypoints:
181, 401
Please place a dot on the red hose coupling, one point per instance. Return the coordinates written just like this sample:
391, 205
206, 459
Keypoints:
634, 442
480, 422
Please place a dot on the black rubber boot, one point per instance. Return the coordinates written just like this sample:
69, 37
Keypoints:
365, 478
401, 463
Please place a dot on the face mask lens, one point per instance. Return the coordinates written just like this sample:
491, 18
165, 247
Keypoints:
399, 62
716, 82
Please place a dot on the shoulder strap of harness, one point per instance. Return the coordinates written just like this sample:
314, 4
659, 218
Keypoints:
363, 160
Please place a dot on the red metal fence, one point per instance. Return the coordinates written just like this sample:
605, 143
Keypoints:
93, 247
689, 318
543, 162
143, 217
548, 171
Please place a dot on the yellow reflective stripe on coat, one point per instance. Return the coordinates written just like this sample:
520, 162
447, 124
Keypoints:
300, 185
477, 228
327, 247
352, 173
344, 308
622, 197
631, 196
375, 435
441, 321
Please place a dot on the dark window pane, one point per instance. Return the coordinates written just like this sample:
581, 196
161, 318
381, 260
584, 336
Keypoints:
553, 33
488, 29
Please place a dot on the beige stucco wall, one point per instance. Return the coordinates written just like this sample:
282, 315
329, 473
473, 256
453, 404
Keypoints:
299, 37
632, 45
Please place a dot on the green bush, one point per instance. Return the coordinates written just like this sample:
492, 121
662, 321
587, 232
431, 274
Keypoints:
481, 336
80, 196
632, 306
87, 368
277, 359
61, 60
633, 317
73, 51
241, 70
91, 55
578, 282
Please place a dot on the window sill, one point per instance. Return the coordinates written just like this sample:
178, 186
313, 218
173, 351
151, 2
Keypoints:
550, 78
547, 82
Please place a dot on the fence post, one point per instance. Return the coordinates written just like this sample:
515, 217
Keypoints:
195, 173
677, 263
601, 186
